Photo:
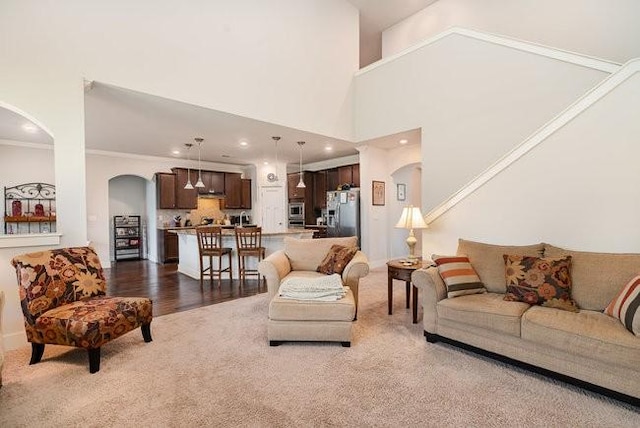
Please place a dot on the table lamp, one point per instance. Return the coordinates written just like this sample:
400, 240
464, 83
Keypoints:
411, 218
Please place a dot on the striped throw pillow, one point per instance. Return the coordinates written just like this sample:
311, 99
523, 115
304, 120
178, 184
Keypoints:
458, 275
625, 306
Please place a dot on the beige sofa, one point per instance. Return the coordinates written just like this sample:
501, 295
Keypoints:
588, 348
294, 320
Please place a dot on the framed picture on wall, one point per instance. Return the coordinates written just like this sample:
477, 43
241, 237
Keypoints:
402, 192
377, 192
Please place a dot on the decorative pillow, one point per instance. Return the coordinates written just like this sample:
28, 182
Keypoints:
458, 275
539, 281
336, 259
626, 306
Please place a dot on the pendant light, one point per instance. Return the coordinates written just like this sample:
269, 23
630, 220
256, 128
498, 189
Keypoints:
199, 142
301, 184
188, 186
275, 175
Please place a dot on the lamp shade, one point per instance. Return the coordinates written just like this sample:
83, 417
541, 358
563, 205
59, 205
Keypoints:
411, 218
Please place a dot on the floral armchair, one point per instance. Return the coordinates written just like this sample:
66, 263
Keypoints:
62, 294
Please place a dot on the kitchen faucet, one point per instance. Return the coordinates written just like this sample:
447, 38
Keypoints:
243, 213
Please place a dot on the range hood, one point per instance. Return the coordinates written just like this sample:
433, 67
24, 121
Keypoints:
212, 195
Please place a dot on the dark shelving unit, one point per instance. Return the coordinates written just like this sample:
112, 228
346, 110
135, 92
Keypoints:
127, 237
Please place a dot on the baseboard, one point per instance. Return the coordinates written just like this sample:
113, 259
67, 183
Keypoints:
433, 338
14, 340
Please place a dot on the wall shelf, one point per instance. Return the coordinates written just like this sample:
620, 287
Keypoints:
30, 208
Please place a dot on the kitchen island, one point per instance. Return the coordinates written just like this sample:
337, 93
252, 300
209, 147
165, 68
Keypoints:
189, 263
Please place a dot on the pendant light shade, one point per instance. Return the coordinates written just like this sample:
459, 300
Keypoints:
188, 186
199, 141
301, 184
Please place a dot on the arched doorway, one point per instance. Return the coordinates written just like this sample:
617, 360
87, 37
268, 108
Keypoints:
128, 197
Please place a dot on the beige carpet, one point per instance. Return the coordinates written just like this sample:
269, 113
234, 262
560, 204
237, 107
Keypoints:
213, 367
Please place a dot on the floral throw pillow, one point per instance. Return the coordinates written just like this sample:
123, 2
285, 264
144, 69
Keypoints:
336, 259
539, 281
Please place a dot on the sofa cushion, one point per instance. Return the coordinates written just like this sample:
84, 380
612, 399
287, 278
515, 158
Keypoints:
487, 310
585, 333
626, 306
458, 275
539, 281
336, 259
488, 262
307, 254
596, 277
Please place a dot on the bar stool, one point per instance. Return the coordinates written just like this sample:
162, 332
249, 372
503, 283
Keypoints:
249, 244
210, 245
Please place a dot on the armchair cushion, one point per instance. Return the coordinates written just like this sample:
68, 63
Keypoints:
336, 259
307, 254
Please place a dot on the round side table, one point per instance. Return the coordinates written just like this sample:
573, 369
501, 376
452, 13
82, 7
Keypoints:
396, 269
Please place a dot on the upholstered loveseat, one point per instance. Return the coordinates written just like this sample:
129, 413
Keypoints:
587, 347
294, 320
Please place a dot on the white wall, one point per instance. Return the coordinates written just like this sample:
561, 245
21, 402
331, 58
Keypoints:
601, 28
577, 189
410, 176
474, 100
377, 222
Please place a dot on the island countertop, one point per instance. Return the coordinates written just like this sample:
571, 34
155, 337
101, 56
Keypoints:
189, 263
231, 231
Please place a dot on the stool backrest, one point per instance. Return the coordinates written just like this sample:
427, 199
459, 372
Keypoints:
248, 238
209, 238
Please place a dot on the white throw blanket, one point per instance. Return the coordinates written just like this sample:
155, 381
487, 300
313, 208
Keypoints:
325, 288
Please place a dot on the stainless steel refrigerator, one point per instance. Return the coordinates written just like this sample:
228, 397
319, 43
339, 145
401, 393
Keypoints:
343, 213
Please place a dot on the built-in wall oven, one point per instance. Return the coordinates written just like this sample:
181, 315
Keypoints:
296, 214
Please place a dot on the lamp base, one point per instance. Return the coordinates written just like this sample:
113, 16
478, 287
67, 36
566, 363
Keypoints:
411, 243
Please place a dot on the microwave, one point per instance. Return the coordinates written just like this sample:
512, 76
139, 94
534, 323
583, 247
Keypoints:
296, 210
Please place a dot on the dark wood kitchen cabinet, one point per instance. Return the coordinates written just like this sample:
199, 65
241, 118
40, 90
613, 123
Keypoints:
349, 174
214, 183
185, 198
246, 194
167, 247
355, 175
232, 190
165, 190
320, 190
298, 194
332, 179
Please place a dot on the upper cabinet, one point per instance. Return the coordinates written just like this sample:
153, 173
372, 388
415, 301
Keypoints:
233, 190
246, 194
185, 198
349, 174
320, 190
332, 179
165, 190
213, 183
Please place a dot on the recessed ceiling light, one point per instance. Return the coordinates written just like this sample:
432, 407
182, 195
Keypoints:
244, 143
328, 148
266, 162
403, 141
175, 152
30, 127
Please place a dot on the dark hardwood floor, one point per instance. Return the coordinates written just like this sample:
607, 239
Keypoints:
172, 291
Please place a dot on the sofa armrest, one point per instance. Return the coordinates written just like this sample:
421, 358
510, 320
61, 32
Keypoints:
274, 268
357, 268
432, 289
